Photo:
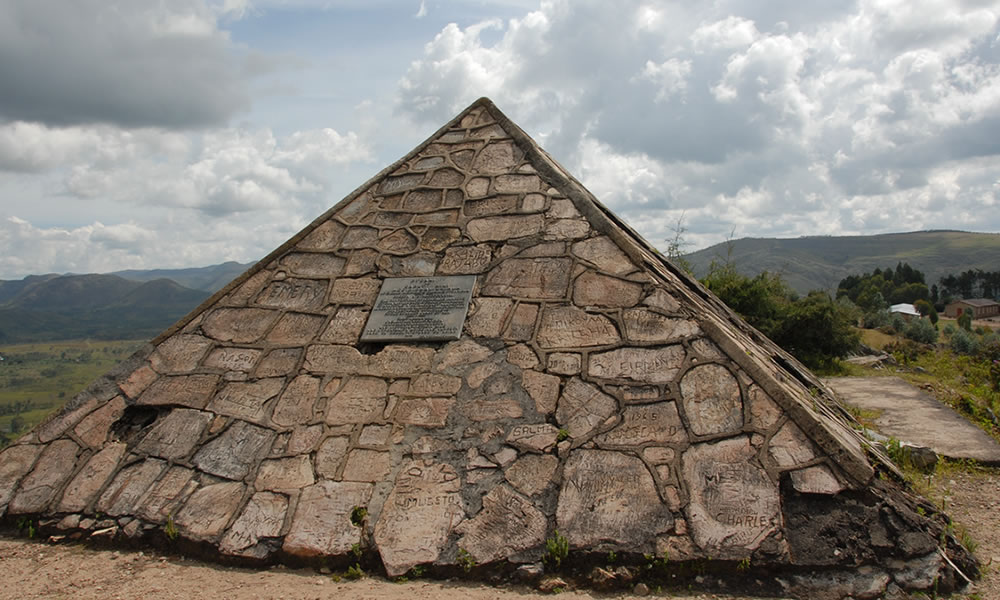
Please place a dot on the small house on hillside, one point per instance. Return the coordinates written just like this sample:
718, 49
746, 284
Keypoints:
908, 311
981, 308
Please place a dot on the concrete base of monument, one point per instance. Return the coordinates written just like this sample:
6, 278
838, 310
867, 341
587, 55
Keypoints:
859, 544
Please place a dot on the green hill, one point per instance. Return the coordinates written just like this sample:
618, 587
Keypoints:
820, 262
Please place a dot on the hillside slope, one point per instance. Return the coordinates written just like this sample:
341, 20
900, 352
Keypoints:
820, 262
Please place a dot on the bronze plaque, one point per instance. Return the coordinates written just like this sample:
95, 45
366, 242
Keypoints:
419, 308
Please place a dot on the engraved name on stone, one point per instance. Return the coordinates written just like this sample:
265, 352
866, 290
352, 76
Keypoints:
419, 308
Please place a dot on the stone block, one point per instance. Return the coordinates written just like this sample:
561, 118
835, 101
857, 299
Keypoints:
167, 496
446, 178
535, 437
233, 453
179, 353
424, 412
522, 323
400, 361
522, 356
609, 498
93, 429
496, 158
360, 262
175, 435
567, 229
279, 362
434, 384
529, 278
313, 264
347, 291
53, 468
594, 289
296, 329
326, 236
604, 254
262, 518
398, 242
583, 407
239, 325
233, 359
360, 237
734, 504
247, 400
15, 462
543, 389
63, 419
502, 228
465, 260
564, 363
91, 478
122, 495
516, 183
712, 400
571, 327
138, 381
209, 509
460, 353
330, 456
644, 424
817, 479
333, 359
360, 400
192, 391
285, 474
486, 316
375, 435
422, 510
367, 465
295, 406
660, 299
643, 325
345, 326
322, 522
304, 439
508, 523
790, 447
764, 412
533, 473
646, 365
491, 206
562, 208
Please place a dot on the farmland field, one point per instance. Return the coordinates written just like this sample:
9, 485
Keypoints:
36, 379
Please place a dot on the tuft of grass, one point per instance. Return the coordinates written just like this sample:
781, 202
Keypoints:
170, 529
358, 516
562, 435
556, 550
466, 560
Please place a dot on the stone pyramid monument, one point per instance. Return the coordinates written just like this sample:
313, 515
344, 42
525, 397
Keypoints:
466, 357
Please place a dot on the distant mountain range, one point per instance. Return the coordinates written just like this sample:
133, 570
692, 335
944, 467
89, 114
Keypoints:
122, 305
820, 262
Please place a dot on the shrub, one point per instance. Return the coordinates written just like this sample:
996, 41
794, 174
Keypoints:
962, 342
921, 330
965, 321
876, 319
898, 322
949, 329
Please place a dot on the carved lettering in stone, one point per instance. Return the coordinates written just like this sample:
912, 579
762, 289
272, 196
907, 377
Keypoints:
15, 462
610, 498
569, 327
53, 468
322, 522
285, 474
247, 400
233, 359
392, 185
465, 260
93, 429
279, 362
263, 517
367, 465
657, 423
424, 412
183, 390
295, 407
129, 485
492, 409
734, 504
360, 237
543, 389
360, 400
334, 360
637, 394
662, 300
440, 217
420, 513
446, 178
494, 205
562, 229
312, 264
459, 353
712, 400
594, 289
536, 437
138, 381
436, 239
206, 513
650, 365
64, 419
538, 278
324, 237
233, 453
400, 361
642, 325
790, 447
522, 323
564, 363
346, 325
434, 384
239, 325
176, 434
604, 254
167, 496
496, 158
398, 242
291, 293
532, 473
354, 291
508, 523
488, 315
91, 478
583, 407
330, 455
296, 328
179, 353
512, 184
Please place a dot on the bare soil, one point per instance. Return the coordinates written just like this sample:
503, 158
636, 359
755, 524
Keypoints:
36, 569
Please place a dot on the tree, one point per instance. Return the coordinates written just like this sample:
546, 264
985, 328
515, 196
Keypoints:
965, 320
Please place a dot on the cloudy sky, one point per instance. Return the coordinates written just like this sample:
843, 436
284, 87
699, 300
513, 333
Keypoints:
178, 133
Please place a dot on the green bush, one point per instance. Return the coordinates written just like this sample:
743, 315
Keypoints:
963, 342
921, 330
949, 329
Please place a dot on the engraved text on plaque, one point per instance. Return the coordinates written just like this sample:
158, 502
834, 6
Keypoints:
419, 308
